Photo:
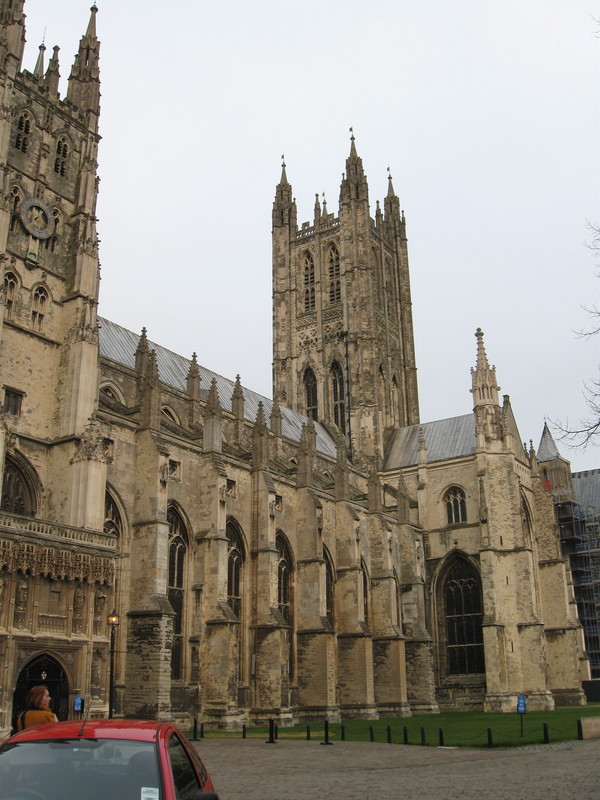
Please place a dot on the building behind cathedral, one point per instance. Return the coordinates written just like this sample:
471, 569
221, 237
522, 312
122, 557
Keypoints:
321, 554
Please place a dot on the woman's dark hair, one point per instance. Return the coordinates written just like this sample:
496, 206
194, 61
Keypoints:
34, 696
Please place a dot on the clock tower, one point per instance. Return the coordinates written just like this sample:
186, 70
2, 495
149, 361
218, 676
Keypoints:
49, 254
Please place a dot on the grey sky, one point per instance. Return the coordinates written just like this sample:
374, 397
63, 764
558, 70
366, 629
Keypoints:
487, 114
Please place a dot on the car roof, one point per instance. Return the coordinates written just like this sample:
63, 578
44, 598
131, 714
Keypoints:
135, 729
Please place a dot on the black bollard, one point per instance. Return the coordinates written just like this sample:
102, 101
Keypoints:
243, 731
195, 728
271, 739
308, 733
276, 731
326, 739
546, 734
343, 733
202, 730
441, 737
405, 735
371, 733
579, 729
423, 738
389, 734
490, 739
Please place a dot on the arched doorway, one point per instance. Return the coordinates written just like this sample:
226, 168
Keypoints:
45, 670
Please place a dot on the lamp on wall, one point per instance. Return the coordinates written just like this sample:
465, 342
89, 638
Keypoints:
113, 621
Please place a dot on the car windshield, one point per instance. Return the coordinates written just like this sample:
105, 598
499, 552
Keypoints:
69, 769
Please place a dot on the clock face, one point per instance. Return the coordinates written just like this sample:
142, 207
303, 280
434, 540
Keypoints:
37, 218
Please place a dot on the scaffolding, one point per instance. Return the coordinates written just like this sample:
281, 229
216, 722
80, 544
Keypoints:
579, 527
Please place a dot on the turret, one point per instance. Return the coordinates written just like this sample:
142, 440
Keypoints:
12, 36
84, 81
354, 182
52, 73
284, 206
486, 403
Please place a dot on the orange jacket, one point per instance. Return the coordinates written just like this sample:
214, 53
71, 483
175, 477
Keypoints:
35, 716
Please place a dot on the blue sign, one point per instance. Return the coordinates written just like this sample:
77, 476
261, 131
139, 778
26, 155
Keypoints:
521, 704
78, 703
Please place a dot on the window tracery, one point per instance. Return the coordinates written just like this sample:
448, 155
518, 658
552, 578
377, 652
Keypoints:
23, 132
337, 391
310, 393
10, 293
60, 162
456, 506
178, 544
17, 495
38, 308
463, 618
309, 283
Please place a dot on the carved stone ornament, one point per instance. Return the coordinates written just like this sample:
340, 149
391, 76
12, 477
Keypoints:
94, 445
59, 564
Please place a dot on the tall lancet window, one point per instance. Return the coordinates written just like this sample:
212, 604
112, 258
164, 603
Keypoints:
335, 287
464, 614
178, 545
309, 282
310, 394
337, 395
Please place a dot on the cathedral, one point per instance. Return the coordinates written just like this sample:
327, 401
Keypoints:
176, 545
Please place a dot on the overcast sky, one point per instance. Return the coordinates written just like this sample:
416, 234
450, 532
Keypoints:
486, 112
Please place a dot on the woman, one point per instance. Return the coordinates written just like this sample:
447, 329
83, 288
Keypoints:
38, 710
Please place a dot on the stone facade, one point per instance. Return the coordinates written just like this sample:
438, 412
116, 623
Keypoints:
321, 554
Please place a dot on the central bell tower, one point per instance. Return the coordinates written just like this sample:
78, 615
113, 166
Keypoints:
343, 342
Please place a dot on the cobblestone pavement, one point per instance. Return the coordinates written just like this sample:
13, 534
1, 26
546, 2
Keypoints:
250, 769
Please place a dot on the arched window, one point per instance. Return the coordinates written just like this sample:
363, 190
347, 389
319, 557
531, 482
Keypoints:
235, 561
284, 578
329, 586
463, 615
310, 393
337, 393
456, 505
335, 288
112, 518
178, 544
60, 162
17, 495
38, 308
309, 282
23, 132
10, 292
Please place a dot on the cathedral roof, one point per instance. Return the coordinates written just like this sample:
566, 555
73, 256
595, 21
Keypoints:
444, 439
586, 487
120, 344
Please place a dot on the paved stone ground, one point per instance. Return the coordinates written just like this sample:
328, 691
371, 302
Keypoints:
250, 769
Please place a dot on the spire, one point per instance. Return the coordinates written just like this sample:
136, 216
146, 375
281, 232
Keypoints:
485, 387
354, 183
284, 206
193, 378
84, 81
38, 72
547, 450
317, 212
52, 73
391, 203
237, 400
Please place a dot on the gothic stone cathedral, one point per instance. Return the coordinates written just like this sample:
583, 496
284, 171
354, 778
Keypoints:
323, 554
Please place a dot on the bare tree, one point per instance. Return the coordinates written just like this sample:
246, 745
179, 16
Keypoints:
589, 426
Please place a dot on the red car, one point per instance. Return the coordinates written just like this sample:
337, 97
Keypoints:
105, 759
